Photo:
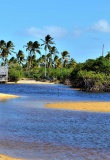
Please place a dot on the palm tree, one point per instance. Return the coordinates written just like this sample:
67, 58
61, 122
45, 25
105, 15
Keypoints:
65, 56
41, 61
72, 63
49, 60
20, 56
56, 59
32, 48
53, 51
47, 45
34, 61
29, 49
2, 46
12, 61
29, 46
5, 50
36, 48
10, 47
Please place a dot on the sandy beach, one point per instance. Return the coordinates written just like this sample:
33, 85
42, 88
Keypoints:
30, 81
82, 106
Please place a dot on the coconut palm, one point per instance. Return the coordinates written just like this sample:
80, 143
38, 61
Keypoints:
47, 45
72, 63
41, 61
56, 59
12, 61
34, 61
32, 48
2, 45
49, 60
4, 56
29, 47
36, 48
10, 47
5, 50
59, 63
20, 56
65, 56
53, 51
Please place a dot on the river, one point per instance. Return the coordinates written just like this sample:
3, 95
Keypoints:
31, 131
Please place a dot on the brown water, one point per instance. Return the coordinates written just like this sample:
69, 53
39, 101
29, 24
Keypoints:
30, 131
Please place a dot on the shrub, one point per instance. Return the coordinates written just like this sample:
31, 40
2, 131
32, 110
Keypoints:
14, 75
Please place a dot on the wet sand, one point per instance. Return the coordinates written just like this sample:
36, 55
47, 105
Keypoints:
82, 106
7, 96
4, 157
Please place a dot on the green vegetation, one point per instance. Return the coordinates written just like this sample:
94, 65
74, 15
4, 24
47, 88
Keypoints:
92, 75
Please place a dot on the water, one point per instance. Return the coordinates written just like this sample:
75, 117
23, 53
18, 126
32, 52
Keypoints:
29, 130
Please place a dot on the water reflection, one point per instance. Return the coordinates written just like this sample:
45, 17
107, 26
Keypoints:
30, 131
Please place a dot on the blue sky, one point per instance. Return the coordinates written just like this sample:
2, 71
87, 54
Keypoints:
79, 26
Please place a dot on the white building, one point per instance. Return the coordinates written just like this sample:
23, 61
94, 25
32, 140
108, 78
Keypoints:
3, 74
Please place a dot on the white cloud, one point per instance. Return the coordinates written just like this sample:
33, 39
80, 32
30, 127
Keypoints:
102, 26
77, 32
54, 31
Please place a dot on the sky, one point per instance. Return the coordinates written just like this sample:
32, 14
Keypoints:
80, 27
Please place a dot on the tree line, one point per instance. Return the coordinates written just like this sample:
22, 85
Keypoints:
92, 75
52, 59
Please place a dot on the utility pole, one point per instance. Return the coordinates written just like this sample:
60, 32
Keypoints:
102, 50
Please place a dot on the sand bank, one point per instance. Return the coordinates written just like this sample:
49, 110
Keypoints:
7, 96
30, 82
82, 106
4, 157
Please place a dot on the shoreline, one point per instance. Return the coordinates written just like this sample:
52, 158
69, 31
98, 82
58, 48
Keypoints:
24, 81
81, 106
27, 81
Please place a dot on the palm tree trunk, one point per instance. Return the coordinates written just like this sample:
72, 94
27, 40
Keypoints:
45, 64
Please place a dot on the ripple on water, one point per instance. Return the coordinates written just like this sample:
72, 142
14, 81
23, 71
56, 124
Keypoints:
28, 130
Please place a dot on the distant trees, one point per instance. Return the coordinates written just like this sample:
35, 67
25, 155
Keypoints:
36, 64
93, 75
51, 58
6, 49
